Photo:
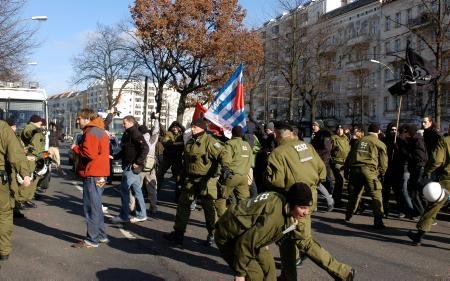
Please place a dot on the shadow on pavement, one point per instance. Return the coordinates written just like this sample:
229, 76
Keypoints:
119, 274
47, 230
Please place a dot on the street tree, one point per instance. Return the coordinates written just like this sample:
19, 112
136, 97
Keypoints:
204, 41
431, 27
107, 59
17, 40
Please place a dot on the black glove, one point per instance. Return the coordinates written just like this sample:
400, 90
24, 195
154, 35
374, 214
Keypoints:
424, 179
225, 173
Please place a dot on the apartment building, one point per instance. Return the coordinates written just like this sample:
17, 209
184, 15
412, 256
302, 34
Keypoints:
358, 47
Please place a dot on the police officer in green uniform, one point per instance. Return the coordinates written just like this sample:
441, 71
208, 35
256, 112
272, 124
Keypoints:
12, 153
236, 160
33, 138
248, 227
367, 163
296, 161
437, 165
340, 147
201, 169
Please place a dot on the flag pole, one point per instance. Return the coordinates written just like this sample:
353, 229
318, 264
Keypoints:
398, 117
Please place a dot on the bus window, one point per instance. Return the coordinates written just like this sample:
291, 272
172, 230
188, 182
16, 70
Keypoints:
21, 111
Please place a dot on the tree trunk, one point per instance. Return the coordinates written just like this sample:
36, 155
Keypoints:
181, 107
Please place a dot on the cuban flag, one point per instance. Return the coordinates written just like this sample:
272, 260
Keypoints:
227, 109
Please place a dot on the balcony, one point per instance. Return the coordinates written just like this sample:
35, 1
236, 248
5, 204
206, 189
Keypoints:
419, 22
357, 66
362, 41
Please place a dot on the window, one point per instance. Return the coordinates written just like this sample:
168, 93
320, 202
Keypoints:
386, 104
276, 29
408, 16
397, 45
398, 19
387, 23
387, 47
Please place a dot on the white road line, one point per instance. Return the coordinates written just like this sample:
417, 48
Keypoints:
80, 188
126, 233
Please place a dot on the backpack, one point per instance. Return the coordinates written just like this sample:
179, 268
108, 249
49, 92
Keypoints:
149, 163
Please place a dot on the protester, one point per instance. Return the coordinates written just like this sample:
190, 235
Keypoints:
93, 167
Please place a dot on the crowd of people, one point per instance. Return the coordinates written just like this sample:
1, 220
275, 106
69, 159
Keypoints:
258, 187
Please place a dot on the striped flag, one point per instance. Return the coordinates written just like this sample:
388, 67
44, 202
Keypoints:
227, 109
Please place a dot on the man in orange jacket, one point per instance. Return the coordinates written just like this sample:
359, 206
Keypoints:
93, 167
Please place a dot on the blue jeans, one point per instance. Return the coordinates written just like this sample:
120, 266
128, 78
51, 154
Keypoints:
92, 205
131, 180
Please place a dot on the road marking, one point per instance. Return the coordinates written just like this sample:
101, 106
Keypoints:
79, 187
126, 233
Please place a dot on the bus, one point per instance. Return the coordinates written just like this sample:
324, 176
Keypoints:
19, 103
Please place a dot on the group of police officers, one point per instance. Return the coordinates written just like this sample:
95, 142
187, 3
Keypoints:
19, 155
217, 174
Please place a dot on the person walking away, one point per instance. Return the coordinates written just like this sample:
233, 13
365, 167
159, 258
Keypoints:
340, 147
200, 171
93, 168
236, 158
367, 162
290, 162
431, 135
134, 150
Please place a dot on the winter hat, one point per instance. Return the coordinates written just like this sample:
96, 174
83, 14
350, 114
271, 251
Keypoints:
299, 195
11, 122
283, 126
35, 119
318, 123
200, 122
270, 126
237, 131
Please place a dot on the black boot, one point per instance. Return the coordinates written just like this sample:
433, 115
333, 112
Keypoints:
416, 237
378, 224
174, 236
17, 214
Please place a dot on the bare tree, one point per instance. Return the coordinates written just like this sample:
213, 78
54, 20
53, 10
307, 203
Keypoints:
107, 59
17, 40
432, 29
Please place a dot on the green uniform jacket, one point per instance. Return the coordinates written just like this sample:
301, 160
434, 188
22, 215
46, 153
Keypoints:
237, 156
173, 144
12, 151
369, 151
199, 155
33, 138
294, 161
253, 224
340, 147
440, 161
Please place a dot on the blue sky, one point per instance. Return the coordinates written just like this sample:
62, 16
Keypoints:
63, 35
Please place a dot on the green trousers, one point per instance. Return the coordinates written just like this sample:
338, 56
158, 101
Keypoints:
202, 188
235, 184
427, 219
6, 219
361, 177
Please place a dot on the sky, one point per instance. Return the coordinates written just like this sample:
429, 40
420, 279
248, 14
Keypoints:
64, 34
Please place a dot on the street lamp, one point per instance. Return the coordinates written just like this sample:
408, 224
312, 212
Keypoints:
39, 18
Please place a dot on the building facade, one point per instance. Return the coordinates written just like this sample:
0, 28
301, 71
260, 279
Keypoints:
335, 60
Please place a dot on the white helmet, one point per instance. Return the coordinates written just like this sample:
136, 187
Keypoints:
433, 192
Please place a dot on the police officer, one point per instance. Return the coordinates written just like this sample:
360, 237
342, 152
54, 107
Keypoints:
33, 138
296, 161
200, 169
242, 238
236, 159
12, 152
439, 164
367, 162
340, 148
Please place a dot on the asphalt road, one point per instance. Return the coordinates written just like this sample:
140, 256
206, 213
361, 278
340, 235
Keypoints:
41, 245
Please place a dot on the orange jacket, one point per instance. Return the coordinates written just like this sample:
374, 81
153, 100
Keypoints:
93, 150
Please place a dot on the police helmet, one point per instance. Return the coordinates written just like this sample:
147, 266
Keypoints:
433, 192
